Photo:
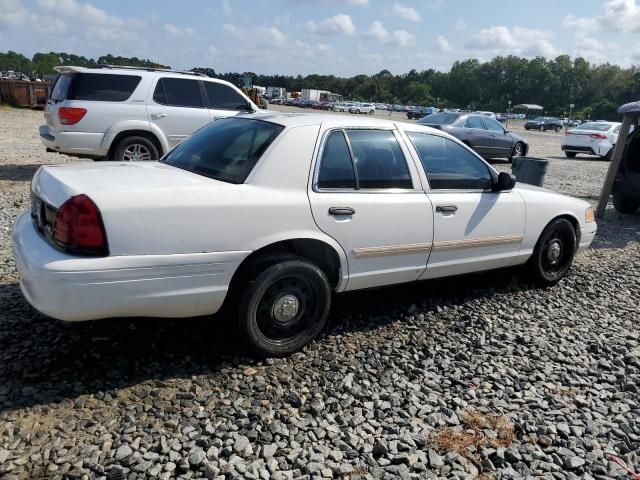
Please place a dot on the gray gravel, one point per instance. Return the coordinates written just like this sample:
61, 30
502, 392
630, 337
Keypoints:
481, 377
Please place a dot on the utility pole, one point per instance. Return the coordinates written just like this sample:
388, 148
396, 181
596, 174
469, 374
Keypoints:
508, 114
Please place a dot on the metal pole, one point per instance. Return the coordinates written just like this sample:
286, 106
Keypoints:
616, 158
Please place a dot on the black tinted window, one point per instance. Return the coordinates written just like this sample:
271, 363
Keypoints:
224, 97
102, 87
449, 165
226, 150
61, 87
474, 121
378, 159
336, 169
178, 92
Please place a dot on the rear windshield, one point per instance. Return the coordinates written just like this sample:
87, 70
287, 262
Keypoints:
440, 118
600, 127
225, 150
97, 87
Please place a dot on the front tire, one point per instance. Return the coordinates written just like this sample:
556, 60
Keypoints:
284, 308
135, 149
625, 203
558, 129
543, 128
554, 252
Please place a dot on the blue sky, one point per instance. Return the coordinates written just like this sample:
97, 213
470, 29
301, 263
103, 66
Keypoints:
341, 37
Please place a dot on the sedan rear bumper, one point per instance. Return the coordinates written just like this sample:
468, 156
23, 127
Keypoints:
75, 288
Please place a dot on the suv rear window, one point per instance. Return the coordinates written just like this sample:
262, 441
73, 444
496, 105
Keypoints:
95, 87
225, 150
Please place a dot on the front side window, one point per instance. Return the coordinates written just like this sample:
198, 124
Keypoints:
101, 87
494, 125
225, 150
223, 97
448, 165
474, 121
178, 92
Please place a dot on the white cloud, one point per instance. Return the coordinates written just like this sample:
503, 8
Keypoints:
442, 44
622, 15
231, 29
12, 14
403, 38
407, 13
336, 25
501, 40
88, 14
581, 25
272, 36
175, 31
378, 32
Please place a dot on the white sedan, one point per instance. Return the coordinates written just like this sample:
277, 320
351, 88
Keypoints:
267, 214
592, 138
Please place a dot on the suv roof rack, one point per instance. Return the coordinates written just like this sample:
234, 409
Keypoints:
128, 67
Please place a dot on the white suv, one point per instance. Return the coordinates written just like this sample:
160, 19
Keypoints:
125, 113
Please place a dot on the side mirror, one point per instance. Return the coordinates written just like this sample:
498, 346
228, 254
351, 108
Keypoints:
506, 181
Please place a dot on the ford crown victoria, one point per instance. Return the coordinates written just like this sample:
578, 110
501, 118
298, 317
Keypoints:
266, 215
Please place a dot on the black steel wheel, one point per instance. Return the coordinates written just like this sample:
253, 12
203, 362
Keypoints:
284, 308
625, 203
554, 252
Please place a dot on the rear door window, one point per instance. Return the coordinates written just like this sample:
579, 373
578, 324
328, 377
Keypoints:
379, 160
474, 121
100, 87
223, 97
178, 92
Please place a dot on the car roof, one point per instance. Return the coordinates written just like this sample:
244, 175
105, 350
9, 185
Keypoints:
124, 70
328, 120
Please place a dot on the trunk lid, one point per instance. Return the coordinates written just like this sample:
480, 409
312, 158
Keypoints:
582, 137
54, 184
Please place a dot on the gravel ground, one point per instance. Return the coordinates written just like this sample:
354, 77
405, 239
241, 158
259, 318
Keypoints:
481, 377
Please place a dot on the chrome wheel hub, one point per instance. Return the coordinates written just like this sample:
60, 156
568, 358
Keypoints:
554, 252
285, 308
136, 153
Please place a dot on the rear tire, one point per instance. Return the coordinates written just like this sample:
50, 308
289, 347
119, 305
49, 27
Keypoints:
625, 203
518, 151
135, 148
570, 154
284, 307
558, 129
554, 252
543, 128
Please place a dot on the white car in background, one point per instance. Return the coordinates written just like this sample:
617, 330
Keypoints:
267, 214
486, 114
125, 113
341, 107
367, 108
592, 138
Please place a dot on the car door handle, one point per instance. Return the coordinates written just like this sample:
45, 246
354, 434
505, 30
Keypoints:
446, 208
341, 211
470, 133
155, 116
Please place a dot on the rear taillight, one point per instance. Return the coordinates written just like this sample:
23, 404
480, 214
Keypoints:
78, 227
71, 115
601, 136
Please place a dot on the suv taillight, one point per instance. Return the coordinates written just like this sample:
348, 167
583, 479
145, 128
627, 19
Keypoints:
71, 115
78, 227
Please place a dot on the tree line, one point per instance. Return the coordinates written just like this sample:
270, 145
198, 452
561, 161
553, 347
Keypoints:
595, 90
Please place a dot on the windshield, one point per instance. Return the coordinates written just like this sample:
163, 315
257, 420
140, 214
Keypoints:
440, 118
226, 150
600, 127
